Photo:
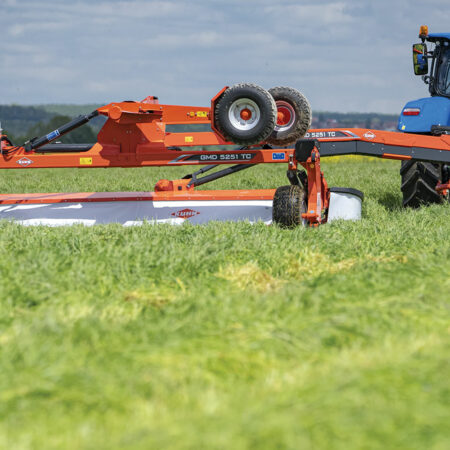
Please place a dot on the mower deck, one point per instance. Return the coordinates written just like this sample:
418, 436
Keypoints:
133, 208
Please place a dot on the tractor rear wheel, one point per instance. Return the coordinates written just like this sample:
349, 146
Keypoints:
246, 114
289, 203
293, 116
419, 180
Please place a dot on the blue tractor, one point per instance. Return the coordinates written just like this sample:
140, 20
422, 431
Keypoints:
429, 115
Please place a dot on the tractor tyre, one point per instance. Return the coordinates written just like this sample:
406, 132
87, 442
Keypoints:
289, 203
419, 180
293, 116
245, 114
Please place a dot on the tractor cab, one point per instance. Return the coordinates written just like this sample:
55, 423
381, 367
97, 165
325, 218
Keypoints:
430, 114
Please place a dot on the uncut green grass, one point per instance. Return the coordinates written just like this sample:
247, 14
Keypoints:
228, 335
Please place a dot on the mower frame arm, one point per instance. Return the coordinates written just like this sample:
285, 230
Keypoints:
381, 144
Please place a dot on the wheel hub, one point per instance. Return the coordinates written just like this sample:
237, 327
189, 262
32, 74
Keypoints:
285, 115
244, 114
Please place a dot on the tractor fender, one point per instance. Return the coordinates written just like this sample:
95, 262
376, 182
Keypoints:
433, 111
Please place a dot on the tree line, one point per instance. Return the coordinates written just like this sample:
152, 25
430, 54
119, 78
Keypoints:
21, 123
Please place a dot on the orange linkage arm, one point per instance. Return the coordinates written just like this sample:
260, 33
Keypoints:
307, 154
318, 192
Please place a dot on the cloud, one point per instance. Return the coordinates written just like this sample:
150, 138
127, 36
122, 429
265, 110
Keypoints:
343, 55
331, 13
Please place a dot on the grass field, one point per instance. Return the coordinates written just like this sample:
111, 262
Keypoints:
226, 336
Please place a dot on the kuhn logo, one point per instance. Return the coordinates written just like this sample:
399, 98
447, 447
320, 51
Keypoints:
369, 135
185, 213
24, 162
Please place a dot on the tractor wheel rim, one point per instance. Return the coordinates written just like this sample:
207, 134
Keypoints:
244, 114
285, 115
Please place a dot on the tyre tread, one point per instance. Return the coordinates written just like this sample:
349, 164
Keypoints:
264, 132
303, 110
419, 179
289, 202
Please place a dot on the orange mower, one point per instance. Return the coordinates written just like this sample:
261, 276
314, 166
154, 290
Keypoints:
245, 125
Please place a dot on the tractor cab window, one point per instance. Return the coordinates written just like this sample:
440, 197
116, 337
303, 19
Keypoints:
443, 72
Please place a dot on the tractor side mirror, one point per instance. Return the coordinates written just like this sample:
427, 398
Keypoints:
420, 60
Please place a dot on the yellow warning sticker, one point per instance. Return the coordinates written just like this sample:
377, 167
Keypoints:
188, 139
85, 161
202, 114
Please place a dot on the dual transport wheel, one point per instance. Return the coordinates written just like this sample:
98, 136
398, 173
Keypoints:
247, 114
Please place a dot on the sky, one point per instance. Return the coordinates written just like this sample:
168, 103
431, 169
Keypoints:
345, 56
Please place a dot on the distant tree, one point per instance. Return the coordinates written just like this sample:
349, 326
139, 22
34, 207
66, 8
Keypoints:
82, 135
14, 138
17, 119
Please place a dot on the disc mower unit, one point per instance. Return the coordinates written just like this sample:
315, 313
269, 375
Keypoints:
248, 126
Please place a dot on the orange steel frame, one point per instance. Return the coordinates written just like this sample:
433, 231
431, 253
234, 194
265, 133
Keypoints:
134, 135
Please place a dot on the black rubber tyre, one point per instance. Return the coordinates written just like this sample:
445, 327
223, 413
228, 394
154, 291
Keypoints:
249, 98
419, 180
296, 119
289, 203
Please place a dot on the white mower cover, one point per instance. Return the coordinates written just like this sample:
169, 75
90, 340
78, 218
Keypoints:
345, 204
135, 208
130, 213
